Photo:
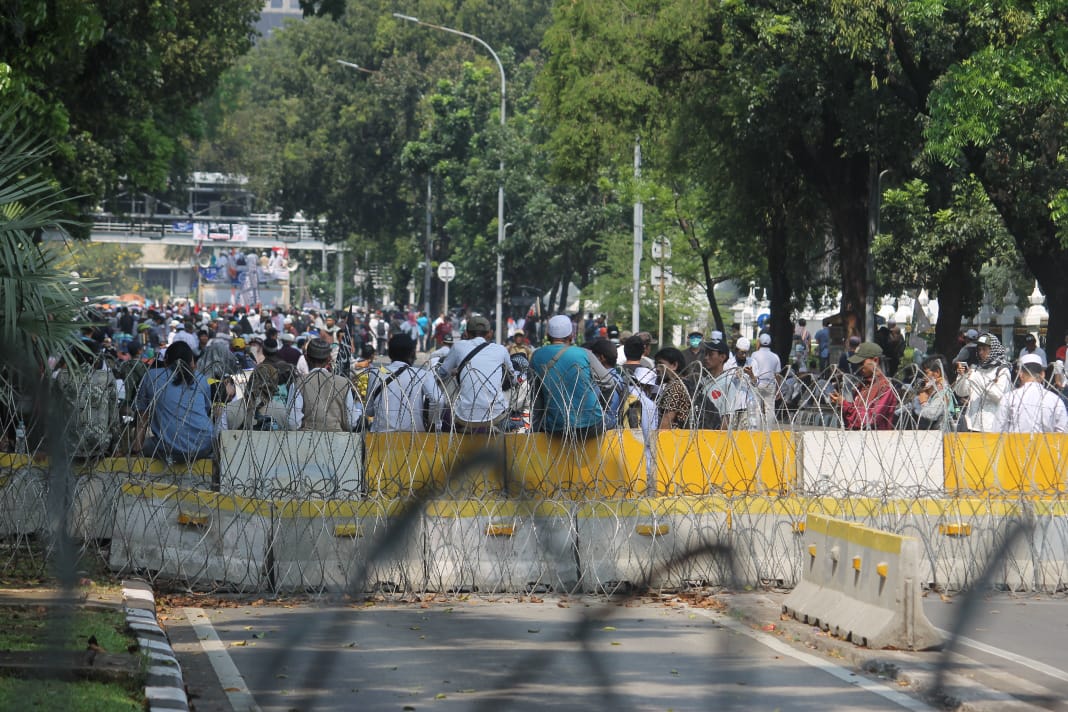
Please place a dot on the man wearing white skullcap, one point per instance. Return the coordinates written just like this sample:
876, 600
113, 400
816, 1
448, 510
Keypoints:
570, 380
764, 365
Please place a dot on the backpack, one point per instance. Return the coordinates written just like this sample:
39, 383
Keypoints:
93, 398
630, 408
380, 328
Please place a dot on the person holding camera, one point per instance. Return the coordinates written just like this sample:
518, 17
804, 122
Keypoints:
983, 384
935, 405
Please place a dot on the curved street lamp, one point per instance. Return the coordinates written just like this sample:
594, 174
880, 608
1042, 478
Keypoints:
500, 186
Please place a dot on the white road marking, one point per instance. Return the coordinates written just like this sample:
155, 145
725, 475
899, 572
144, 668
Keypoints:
236, 690
1035, 665
837, 671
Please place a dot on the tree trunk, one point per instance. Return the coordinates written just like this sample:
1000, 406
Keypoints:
951, 306
844, 184
780, 292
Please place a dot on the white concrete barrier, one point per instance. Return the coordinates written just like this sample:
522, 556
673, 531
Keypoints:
500, 545
201, 538
894, 463
332, 546
291, 464
23, 500
624, 545
861, 584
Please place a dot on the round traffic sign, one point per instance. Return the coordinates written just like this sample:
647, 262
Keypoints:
446, 271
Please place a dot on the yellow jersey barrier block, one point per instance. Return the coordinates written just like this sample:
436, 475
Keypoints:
517, 464
697, 462
861, 584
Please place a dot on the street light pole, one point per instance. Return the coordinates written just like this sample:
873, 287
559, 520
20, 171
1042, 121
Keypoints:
500, 185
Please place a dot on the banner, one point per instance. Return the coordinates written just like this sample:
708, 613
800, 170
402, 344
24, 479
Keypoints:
219, 231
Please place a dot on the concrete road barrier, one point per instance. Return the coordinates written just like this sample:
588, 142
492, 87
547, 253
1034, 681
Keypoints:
499, 545
861, 584
201, 538
347, 546
292, 464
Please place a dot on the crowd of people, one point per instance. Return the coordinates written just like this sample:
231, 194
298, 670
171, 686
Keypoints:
163, 383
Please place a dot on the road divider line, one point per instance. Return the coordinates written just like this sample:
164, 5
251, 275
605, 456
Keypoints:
229, 676
1035, 665
836, 671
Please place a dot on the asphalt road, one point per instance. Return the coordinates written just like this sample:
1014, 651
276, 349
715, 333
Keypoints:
475, 655
1013, 642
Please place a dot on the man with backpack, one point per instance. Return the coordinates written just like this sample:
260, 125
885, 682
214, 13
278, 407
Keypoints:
402, 398
483, 373
639, 408
569, 383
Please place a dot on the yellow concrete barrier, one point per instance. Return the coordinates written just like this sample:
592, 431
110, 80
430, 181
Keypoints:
695, 462
1006, 463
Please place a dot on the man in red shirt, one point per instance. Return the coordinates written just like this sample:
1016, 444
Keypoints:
874, 398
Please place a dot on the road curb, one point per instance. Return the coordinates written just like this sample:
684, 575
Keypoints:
164, 687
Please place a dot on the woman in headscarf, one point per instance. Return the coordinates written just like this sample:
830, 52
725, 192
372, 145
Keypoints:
258, 409
176, 402
983, 385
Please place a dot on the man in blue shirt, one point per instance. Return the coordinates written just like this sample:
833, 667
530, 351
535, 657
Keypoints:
570, 381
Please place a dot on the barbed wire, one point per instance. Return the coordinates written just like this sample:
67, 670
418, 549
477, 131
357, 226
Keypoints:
403, 515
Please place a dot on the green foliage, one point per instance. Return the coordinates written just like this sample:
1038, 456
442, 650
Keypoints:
104, 268
37, 304
116, 85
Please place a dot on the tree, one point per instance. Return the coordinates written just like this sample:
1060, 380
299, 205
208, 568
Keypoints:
37, 305
104, 268
757, 103
117, 85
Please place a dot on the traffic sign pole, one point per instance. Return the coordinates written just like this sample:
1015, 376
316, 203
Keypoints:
446, 273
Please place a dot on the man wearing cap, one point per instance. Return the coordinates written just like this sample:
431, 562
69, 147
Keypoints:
182, 334
569, 384
764, 366
438, 355
322, 400
1032, 348
401, 398
874, 400
984, 385
520, 345
966, 355
720, 396
482, 373
237, 348
289, 352
1031, 408
740, 357
648, 342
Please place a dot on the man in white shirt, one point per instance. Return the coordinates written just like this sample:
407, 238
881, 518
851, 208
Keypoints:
764, 365
398, 396
181, 334
483, 372
1031, 408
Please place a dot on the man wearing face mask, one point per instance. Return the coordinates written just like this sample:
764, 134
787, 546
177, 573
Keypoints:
693, 355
